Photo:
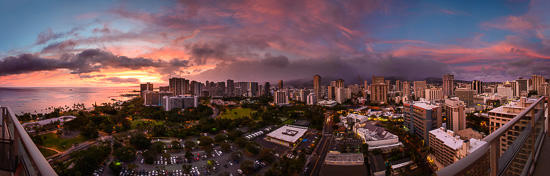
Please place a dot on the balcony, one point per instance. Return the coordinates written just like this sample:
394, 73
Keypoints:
528, 153
18, 154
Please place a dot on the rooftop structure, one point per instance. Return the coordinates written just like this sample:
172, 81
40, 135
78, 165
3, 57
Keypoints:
376, 136
327, 103
346, 159
449, 147
287, 135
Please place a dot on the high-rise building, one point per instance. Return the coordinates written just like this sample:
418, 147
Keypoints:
197, 88
267, 89
514, 87
506, 90
230, 88
537, 83
341, 94
152, 98
339, 83
164, 89
434, 94
253, 89
331, 92
545, 89
186, 89
398, 85
317, 86
422, 117
378, 90
176, 86
145, 87
448, 85
419, 89
378, 80
281, 86
465, 95
522, 87
280, 97
311, 99
477, 86
456, 116
406, 88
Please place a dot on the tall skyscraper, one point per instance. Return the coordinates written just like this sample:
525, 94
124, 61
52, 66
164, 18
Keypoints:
422, 117
522, 87
419, 89
406, 88
339, 83
465, 95
253, 89
317, 87
230, 88
281, 86
145, 87
434, 94
280, 97
267, 89
477, 86
456, 116
448, 84
398, 86
378, 80
537, 83
176, 86
378, 90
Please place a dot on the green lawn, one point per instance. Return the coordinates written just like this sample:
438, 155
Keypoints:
47, 152
51, 140
136, 122
237, 113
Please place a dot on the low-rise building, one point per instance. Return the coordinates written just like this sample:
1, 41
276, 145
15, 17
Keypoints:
337, 163
327, 103
287, 135
377, 137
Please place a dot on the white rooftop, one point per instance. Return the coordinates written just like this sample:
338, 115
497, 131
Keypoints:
449, 140
47, 121
424, 105
475, 144
288, 133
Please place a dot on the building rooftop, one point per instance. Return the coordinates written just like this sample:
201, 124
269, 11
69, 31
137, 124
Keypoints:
376, 163
448, 138
424, 105
288, 133
373, 132
345, 158
330, 170
475, 144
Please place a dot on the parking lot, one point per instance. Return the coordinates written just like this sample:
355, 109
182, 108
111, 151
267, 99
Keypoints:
222, 163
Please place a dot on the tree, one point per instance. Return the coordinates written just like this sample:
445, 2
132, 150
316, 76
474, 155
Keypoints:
226, 147
158, 146
265, 155
149, 156
186, 168
125, 153
253, 148
236, 155
140, 141
208, 149
205, 140
132, 166
175, 144
241, 142
220, 138
247, 167
115, 167
188, 155
89, 132
189, 145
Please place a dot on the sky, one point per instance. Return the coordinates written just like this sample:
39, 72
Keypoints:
69, 43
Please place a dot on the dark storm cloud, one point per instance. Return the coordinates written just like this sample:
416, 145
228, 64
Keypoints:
334, 66
200, 53
91, 60
276, 61
121, 80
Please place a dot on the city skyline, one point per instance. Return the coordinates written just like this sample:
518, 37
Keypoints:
117, 43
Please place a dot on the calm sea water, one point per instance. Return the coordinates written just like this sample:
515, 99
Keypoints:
31, 99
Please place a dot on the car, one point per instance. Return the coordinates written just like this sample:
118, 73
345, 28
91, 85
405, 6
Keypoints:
230, 163
142, 161
239, 171
213, 156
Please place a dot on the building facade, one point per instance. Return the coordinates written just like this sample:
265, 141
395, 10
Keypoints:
422, 117
448, 85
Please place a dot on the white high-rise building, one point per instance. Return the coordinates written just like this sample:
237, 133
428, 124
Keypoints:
180, 102
280, 97
434, 94
311, 99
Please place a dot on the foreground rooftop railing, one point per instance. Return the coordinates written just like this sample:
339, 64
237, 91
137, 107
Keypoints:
18, 153
519, 158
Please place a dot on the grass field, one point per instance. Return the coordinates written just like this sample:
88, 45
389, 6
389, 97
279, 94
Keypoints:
46, 152
51, 140
237, 113
136, 122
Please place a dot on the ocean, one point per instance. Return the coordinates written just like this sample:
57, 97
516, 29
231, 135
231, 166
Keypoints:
38, 99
